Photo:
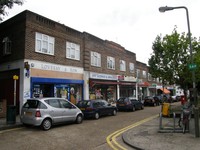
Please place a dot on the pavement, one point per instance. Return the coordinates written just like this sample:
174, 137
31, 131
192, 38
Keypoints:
151, 135
11, 123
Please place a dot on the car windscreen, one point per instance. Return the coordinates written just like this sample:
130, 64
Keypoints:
83, 104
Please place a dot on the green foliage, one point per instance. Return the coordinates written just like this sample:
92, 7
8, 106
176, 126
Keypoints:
7, 4
171, 57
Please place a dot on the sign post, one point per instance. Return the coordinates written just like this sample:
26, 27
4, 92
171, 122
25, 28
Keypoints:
15, 78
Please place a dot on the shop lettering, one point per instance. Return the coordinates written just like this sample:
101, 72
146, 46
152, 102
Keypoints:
50, 67
73, 70
103, 76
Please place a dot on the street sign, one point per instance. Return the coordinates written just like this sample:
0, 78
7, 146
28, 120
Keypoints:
15, 77
192, 66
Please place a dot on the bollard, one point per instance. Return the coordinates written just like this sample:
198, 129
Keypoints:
174, 117
160, 121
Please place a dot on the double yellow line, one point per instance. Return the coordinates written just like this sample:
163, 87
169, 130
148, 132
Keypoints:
111, 139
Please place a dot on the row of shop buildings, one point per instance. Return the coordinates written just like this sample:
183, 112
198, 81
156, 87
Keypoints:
43, 58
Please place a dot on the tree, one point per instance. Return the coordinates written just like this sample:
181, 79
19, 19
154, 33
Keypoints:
170, 58
7, 4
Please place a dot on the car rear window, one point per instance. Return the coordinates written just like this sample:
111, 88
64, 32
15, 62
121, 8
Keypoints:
83, 104
123, 100
34, 104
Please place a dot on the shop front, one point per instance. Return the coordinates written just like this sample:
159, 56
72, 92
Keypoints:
143, 89
127, 86
103, 86
51, 87
53, 80
111, 87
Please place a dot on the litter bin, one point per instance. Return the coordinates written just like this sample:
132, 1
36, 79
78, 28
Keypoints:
165, 109
11, 114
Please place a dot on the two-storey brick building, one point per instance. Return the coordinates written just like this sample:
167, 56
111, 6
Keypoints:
52, 59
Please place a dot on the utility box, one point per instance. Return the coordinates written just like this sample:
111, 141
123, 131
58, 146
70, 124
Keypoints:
3, 108
165, 109
11, 114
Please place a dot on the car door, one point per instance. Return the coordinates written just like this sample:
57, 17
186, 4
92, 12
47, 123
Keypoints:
106, 107
69, 111
136, 103
100, 107
55, 111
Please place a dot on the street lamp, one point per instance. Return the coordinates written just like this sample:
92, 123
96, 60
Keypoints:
196, 113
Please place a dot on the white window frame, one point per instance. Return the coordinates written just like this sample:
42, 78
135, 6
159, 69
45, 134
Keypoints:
144, 74
110, 62
138, 73
6, 46
72, 50
44, 43
95, 59
149, 77
131, 67
122, 64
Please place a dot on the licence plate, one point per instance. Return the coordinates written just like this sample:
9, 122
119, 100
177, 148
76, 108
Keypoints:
121, 104
28, 113
82, 108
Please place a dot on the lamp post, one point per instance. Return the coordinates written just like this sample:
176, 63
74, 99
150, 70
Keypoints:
196, 113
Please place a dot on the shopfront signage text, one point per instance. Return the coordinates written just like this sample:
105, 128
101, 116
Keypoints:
103, 76
55, 67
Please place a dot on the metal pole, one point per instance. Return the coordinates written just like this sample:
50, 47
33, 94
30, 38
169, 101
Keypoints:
14, 92
196, 110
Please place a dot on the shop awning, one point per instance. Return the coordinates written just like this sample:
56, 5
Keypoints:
165, 91
111, 83
144, 84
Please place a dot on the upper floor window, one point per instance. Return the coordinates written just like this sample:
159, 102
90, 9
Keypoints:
144, 74
95, 59
44, 44
138, 73
6, 46
122, 65
73, 51
131, 67
149, 77
111, 63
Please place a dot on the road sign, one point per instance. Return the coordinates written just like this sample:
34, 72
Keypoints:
192, 66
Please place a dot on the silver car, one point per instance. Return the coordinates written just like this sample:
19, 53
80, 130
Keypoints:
46, 112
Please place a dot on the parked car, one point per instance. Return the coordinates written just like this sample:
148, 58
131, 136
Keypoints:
150, 100
159, 98
45, 112
96, 108
129, 103
176, 98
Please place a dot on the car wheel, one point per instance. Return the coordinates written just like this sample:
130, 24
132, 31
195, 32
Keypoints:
114, 113
142, 107
133, 109
96, 115
46, 124
79, 119
154, 104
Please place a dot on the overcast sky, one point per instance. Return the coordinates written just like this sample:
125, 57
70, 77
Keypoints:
134, 24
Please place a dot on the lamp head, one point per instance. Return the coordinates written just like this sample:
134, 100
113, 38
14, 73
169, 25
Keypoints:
163, 9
